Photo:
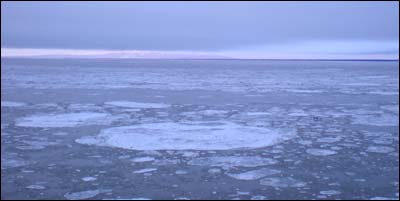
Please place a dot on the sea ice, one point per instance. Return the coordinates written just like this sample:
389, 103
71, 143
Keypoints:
380, 149
12, 104
232, 161
320, 152
63, 120
82, 195
130, 104
87, 179
36, 187
329, 139
329, 192
146, 170
254, 174
194, 136
377, 120
282, 182
143, 159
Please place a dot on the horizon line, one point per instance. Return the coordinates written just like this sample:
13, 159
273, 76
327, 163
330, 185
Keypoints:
47, 53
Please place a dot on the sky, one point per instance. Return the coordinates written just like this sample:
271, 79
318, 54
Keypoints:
293, 30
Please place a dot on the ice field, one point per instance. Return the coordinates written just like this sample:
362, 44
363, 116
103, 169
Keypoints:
199, 129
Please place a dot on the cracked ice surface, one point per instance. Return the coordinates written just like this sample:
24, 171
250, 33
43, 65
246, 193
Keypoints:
195, 136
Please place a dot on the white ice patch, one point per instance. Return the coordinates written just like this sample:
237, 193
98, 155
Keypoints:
196, 136
87, 179
130, 104
253, 174
146, 170
329, 192
380, 149
232, 161
12, 104
320, 152
143, 159
63, 120
282, 182
82, 195
377, 120
35, 187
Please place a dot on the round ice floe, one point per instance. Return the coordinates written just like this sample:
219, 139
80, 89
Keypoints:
178, 136
130, 104
63, 120
320, 152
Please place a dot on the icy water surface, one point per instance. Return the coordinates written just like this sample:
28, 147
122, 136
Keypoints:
199, 129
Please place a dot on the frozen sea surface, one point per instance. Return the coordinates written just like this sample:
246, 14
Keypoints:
199, 129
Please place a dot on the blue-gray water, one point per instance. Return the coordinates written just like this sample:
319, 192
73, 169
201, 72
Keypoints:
199, 129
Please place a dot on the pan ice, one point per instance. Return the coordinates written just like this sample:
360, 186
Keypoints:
194, 136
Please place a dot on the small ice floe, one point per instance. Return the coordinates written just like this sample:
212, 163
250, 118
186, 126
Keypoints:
188, 136
12, 104
82, 195
232, 161
63, 120
143, 159
329, 139
146, 170
180, 172
88, 179
329, 192
282, 182
377, 120
380, 149
36, 187
257, 113
320, 152
253, 174
130, 104
258, 197
214, 171
190, 154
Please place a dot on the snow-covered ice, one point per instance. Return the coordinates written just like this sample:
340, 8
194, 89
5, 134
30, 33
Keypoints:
194, 136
